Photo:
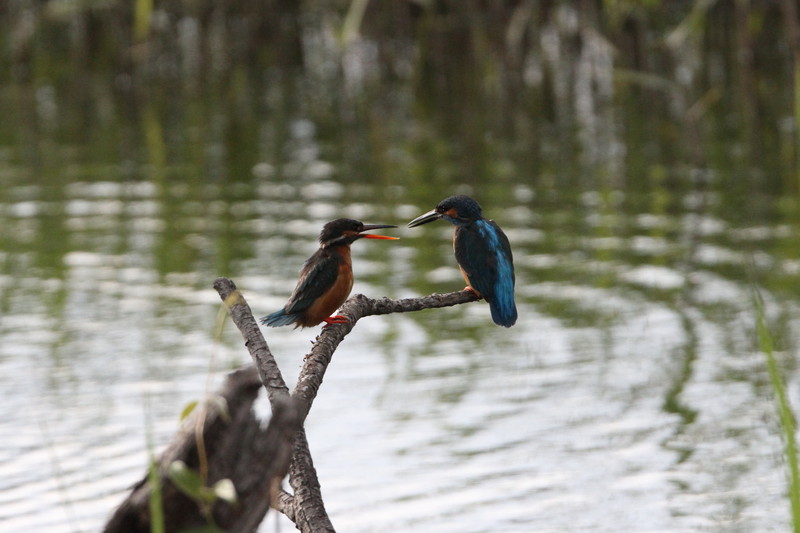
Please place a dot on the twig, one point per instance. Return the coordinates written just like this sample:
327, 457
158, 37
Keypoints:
355, 308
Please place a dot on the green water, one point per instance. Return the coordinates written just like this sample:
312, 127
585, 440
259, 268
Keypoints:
644, 194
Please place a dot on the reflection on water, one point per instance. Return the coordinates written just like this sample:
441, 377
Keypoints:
628, 397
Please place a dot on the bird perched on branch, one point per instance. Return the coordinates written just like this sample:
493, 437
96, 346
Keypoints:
326, 278
483, 254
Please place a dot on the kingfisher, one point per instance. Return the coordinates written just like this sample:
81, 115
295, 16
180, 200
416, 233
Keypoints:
482, 252
326, 278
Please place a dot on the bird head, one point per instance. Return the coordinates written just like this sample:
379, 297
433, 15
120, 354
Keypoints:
346, 231
459, 209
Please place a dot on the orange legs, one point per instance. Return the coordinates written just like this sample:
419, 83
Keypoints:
473, 291
335, 319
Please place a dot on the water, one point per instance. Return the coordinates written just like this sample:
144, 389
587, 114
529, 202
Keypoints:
630, 396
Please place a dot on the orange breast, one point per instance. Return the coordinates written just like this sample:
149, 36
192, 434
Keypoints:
334, 297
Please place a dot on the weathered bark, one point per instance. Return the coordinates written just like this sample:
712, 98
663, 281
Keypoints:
308, 508
256, 460
242, 317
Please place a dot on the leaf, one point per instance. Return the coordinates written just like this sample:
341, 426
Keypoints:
188, 409
187, 480
155, 502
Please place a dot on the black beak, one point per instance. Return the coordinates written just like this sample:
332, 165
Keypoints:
368, 227
430, 216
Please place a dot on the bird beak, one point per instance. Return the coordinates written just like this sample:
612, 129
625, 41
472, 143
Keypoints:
430, 216
368, 227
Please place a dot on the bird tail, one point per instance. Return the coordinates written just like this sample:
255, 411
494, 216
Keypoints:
504, 311
278, 318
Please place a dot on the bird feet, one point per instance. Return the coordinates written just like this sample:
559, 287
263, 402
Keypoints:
473, 291
335, 319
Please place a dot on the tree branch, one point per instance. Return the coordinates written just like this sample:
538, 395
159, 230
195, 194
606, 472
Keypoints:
243, 318
237, 448
355, 308
310, 513
307, 505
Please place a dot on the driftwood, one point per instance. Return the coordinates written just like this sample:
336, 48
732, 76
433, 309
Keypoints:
255, 460
234, 447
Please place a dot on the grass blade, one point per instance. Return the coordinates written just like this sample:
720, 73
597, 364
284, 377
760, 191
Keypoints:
785, 413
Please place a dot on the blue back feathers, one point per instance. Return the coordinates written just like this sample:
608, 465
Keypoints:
484, 254
504, 310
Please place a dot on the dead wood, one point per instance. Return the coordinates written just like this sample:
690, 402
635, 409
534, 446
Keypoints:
235, 447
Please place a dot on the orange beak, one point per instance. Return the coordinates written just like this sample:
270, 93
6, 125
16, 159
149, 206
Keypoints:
370, 236
368, 227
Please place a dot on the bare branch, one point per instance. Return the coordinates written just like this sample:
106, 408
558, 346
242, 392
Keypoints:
355, 308
316, 362
310, 514
243, 318
307, 505
286, 504
238, 449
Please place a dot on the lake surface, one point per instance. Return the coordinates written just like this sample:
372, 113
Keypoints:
630, 396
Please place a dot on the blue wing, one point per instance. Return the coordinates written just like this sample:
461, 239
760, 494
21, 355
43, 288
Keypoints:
484, 253
316, 277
